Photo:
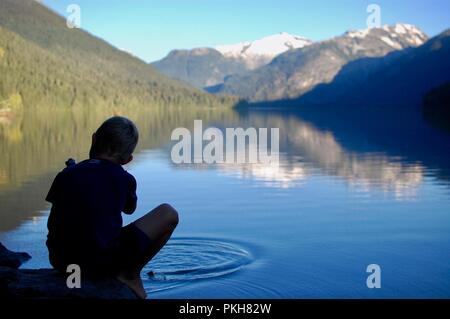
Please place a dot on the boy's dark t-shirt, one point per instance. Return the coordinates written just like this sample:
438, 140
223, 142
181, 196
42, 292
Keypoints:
85, 219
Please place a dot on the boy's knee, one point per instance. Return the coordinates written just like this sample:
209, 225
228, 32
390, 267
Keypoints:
170, 213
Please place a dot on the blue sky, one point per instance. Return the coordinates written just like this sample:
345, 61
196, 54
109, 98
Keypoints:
151, 28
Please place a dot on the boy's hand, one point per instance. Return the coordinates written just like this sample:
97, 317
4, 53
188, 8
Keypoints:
70, 162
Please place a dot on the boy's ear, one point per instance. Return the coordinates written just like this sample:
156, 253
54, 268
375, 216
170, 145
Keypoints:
128, 160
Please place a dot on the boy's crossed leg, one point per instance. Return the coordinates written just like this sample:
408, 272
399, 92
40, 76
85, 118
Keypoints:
158, 225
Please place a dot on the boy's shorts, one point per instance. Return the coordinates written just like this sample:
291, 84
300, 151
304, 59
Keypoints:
127, 253
132, 248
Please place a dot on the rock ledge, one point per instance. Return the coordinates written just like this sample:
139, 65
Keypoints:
51, 284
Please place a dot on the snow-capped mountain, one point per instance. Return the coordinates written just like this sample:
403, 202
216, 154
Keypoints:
401, 78
283, 65
296, 72
396, 36
202, 67
262, 51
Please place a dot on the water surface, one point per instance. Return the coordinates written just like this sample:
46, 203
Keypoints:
349, 191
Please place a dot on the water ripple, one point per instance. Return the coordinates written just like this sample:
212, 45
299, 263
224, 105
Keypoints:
187, 259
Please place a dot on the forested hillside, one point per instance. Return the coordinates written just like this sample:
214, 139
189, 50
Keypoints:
43, 62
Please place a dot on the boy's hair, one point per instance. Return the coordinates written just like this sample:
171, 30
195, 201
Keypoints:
116, 137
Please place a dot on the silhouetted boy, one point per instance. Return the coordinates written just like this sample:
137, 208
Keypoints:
88, 198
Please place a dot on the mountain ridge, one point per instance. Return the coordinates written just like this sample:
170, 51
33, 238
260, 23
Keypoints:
295, 72
47, 63
410, 74
209, 66
400, 81
261, 51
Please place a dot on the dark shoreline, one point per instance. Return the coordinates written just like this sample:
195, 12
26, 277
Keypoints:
18, 283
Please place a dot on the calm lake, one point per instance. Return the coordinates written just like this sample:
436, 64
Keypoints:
351, 190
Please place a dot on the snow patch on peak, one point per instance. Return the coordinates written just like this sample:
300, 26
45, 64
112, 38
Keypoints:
269, 46
358, 33
391, 43
404, 28
413, 34
400, 29
407, 32
232, 49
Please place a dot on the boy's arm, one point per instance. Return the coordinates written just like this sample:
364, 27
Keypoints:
52, 194
131, 199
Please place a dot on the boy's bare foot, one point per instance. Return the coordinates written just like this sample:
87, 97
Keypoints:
135, 283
